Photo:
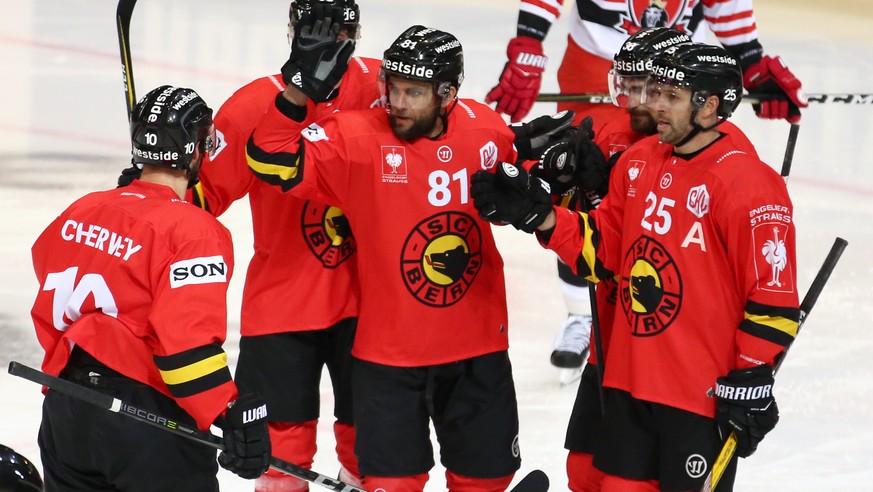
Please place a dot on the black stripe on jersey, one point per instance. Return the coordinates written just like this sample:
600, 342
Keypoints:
775, 324
197, 196
281, 169
532, 26
194, 371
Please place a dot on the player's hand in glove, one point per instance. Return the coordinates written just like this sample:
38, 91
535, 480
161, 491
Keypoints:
520, 81
780, 92
318, 61
129, 174
511, 196
246, 440
576, 161
746, 406
535, 136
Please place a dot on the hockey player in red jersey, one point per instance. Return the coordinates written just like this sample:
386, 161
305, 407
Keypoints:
701, 237
132, 303
300, 300
431, 344
599, 27
627, 79
597, 30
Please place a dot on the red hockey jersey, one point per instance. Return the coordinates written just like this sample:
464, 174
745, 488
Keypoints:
138, 278
302, 275
432, 285
705, 256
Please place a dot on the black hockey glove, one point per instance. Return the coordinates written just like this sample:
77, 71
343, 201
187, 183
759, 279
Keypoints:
746, 406
534, 137
318, 61
577, 161
129, 174
246, 440
511, 196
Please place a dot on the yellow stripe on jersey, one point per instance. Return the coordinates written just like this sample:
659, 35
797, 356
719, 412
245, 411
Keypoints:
198, 197
785, 325
196, 370
285, 173
589, 252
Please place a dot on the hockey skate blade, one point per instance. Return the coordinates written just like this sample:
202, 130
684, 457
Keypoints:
568, 376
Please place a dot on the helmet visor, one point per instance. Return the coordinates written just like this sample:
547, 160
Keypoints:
626, 90
657, 91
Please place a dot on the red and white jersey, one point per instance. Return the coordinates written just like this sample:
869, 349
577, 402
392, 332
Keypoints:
302, 275
704, 251
138, 278
432, 284
601, 26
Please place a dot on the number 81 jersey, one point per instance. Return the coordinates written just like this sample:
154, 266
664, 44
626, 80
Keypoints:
431, 278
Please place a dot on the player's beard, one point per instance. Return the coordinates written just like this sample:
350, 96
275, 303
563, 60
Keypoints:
422, 125
642, 121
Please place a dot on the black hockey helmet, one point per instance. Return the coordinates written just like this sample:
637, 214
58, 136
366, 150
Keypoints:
168, 124
351, 15
706, 69
633, 61
17, 473
426, 55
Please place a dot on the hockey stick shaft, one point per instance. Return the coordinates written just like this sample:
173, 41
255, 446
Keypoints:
123, 14
853, 99
789, 149
598, 345
146, 416
809, 300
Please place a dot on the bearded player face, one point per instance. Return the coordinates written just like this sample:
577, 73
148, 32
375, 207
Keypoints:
414, 109
642, 117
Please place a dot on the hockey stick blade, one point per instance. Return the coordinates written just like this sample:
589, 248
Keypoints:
806, 305
604, 98
535, 481
116, 405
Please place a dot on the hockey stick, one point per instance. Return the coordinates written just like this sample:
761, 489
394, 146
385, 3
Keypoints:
809, 300
789, 150
122, 23
604, 98
123, 408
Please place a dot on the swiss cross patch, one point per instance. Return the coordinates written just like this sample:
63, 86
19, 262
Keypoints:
771, 257
394, 164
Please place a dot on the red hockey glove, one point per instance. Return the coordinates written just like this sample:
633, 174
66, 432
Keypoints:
520, 81
778, 89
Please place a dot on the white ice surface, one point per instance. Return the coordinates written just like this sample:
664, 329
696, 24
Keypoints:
63, 133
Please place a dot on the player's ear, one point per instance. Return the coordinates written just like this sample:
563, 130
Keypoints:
450, 95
